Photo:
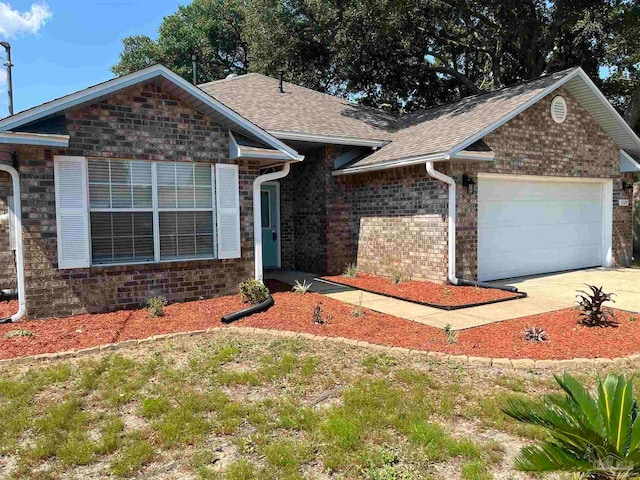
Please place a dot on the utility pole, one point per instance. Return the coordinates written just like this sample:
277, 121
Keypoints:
8, 64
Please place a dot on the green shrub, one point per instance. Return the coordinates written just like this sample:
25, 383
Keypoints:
156, 305
595, 435
301, 287
18, 333
351, 270
253, 291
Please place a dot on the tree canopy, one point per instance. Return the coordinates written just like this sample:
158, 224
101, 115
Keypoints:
402, 55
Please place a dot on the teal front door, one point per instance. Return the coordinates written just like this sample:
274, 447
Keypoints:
270, 225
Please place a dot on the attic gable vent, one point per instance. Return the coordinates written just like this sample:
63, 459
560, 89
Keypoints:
559, 109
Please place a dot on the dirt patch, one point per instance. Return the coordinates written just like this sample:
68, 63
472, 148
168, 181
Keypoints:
430, 293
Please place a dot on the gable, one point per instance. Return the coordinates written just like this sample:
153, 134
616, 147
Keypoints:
168, 80
145, 121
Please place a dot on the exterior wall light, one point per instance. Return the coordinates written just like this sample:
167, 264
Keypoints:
470, 183
626, 186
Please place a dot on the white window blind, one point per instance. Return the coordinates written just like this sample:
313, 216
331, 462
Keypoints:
121, 206
185, 206
144, 211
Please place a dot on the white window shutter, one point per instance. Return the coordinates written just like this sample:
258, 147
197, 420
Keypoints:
228, 210
72, 212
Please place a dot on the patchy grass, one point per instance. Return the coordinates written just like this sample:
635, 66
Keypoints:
234, 407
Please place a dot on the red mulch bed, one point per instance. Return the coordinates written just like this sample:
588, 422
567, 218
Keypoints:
84, 331
8, 308
294, 312
424, 292
566, 340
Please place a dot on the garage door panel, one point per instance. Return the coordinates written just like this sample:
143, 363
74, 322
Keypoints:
527, 227
537, 190
537, 261
539, 212
529, 238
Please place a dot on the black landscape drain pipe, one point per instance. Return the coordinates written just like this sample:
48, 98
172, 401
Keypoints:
260, 307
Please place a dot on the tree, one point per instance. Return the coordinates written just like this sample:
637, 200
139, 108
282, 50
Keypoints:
210, 29
402, 55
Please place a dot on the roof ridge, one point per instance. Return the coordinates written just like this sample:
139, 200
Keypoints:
227, 79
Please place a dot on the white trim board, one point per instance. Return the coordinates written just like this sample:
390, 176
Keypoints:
331, 139
44, 139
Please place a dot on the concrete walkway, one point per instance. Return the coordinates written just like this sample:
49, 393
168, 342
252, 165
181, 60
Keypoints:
435, 317
546, 294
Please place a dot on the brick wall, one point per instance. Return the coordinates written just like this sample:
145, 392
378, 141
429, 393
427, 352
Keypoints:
533, 144
144, 123
395, 220
303, 213
383, 221
7, 265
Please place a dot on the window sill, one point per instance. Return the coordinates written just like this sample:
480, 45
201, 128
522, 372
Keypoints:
133, 264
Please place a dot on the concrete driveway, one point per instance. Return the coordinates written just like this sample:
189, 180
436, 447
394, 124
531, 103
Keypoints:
560, 288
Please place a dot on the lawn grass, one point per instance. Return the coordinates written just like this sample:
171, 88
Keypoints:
234, 407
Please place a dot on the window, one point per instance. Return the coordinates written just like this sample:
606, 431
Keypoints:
185, 206
130, 200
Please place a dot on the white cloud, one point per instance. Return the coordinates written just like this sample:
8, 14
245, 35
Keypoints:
14, 23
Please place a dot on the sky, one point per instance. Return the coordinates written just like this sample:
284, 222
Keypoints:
61, 46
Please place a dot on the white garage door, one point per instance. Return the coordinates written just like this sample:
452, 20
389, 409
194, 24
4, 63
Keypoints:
530, 225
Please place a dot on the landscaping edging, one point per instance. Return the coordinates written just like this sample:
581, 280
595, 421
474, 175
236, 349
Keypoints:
518, 364
518, 296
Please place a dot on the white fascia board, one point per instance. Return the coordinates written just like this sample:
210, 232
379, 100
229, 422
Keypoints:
474, 156
240, 151
47, 140
627, 163
140, 76
405, 162
329, 139
515, 112
592, 86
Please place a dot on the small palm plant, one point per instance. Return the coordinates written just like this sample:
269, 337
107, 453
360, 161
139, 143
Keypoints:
596, 436
592, 313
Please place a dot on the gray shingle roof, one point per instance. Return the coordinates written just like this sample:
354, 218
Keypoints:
438, 129
299, 109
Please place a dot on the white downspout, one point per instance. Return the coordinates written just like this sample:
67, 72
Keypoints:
257, 214
451, 219
22, 301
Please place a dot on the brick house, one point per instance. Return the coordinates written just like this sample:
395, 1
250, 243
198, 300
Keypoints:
149, 185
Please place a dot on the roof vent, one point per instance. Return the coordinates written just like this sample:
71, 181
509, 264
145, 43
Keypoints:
559, 109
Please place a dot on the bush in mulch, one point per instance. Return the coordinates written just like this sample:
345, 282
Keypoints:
422, 291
